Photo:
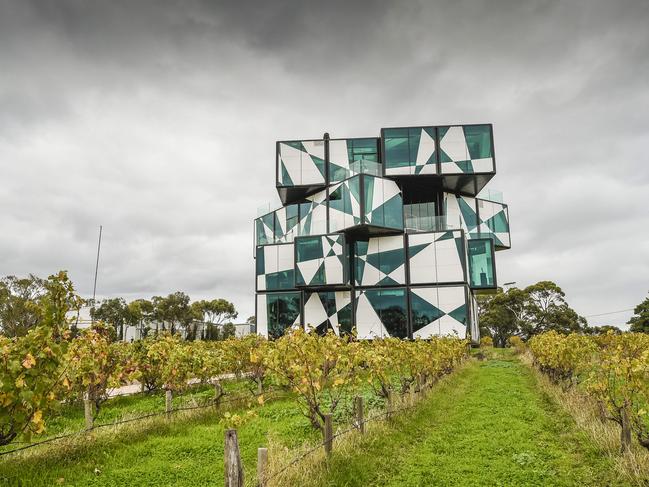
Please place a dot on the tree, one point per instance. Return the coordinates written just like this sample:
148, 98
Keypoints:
140, 315
213, 314
546, 309
18, 312
501, 314
174, 312
640, 320
527, 312
114, 312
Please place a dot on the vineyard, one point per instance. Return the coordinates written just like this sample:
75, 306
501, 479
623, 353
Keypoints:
613, 369
327, 409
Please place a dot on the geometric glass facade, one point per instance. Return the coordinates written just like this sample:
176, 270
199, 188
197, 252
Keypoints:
381, 236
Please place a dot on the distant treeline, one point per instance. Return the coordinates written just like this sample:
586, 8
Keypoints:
539, 308
176, 312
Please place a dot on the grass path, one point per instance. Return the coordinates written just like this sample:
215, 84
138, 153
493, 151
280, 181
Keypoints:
488, 425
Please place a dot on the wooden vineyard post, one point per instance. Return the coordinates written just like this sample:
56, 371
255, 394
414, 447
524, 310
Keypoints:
218, 392
328, 434
262, 466
233, 467
388, 405
87, 412
168, 403
360, 420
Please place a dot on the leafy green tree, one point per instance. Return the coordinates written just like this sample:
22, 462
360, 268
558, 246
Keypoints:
140, 315
174, 312
213, 314
18, 312
501, 314
640, 320
527, 312
113, 312
546, 309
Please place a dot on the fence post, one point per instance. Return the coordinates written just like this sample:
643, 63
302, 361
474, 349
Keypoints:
218, 392
360, 421
87, 412
233, 467
168, 402
388, 405
262, 466
328, 434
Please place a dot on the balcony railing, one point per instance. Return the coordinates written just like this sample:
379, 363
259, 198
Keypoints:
491, 195
414, 223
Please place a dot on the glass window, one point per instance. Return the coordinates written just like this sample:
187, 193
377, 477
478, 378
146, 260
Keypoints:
423, 312
283, 311
478, 140
362, 149
308, 248
397, 149
481, 263
390, 305
389, 214
402, 147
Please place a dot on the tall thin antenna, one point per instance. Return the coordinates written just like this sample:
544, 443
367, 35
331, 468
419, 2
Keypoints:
94, 289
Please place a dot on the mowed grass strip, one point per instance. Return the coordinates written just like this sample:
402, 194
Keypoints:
185, 452
486, 425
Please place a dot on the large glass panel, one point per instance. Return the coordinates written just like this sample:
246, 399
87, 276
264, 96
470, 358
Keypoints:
481, 263
283, 312
420, 217
383, 204
424, 312
362, 149
264, 229
397, 150
410, 151
308, 248
390, 305
478, 140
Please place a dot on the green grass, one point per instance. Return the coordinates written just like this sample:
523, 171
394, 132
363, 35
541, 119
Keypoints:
487, 424
182, 452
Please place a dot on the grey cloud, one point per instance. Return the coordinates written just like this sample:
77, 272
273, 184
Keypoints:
158, 120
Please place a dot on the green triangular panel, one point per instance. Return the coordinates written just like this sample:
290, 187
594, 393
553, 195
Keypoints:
415, 249
423, 307
465, 166
498, 222
468, 214
331, 253
459, 314
386, 281
459, 245
286, 179
319, 163
445, 236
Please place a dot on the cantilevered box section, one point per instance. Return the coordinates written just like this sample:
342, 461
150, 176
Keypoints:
384, 236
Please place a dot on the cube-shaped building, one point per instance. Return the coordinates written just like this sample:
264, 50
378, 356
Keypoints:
384, 236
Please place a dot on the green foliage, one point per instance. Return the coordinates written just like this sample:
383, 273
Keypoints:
640, 320
527, 312
613, 368
486, 342
95, 364
18, 312
114, 312
31, 366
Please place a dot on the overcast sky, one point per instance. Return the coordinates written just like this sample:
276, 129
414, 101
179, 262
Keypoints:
158, 121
